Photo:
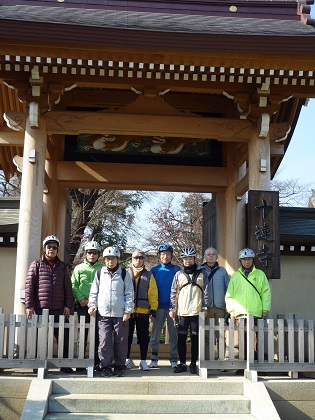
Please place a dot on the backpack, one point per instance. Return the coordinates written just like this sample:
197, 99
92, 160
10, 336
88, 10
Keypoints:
123, 273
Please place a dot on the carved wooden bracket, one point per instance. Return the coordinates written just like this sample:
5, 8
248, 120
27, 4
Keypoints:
263, 125
279, 132
37, 90
18, 162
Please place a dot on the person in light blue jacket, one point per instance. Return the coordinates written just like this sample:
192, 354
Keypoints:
218, 283
112, 298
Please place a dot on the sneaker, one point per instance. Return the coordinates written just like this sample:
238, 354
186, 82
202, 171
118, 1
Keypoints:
143, 365
66, 370
128, 364
173, 364
153, 364
193, 368
118, 372
181, 367
106, 372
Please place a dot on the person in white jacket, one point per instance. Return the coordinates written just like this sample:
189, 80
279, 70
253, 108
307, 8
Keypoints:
112, 298
189, 296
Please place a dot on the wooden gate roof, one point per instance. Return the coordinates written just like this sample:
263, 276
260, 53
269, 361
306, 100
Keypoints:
213, 60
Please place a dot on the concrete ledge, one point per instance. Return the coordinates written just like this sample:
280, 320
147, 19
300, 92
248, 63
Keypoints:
13, 393
36, 404
262, 407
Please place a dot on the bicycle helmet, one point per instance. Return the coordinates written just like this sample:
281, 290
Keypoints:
51, 238
165, 247
92, 245
246, 253
111, 251
188, 252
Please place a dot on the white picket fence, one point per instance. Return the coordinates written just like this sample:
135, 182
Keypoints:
29, 343
285, 346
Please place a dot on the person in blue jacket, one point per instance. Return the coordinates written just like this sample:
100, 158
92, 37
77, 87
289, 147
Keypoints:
164, 274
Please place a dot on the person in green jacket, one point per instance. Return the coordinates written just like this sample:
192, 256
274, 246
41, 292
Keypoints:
248, 291
82, 279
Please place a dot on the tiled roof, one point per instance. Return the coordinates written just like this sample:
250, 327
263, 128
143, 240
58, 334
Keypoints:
162, 22
9, 214
298, 223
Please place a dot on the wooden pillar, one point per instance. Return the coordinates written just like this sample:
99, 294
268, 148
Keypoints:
259, 162
61, 218
231, 220
31, 205
54, 201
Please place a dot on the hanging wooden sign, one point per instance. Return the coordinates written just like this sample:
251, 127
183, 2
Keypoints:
263, 230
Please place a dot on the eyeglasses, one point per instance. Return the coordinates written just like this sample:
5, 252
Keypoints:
138, 258
92, 252
211, 255
54, 247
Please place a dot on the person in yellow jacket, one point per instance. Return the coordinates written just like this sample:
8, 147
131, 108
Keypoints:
146, 304
248, 291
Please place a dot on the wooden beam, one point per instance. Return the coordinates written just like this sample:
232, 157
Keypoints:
11, 138
242, 187
142, 176
96, 52
241, 154
146, 125
276, 149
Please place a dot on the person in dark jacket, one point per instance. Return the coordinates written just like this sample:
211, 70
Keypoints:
48, 286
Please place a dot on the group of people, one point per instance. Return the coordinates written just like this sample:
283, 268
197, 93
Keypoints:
127, 299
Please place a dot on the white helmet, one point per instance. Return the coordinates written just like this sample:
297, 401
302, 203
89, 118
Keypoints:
111, 251
51, 238
188, 252
92, 245
246, 253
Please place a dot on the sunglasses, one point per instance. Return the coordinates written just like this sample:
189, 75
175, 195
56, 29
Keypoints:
138, 258
92, 252
54, 247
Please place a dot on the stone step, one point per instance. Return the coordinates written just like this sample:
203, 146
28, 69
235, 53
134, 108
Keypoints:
143, 386
128, 416
147, 404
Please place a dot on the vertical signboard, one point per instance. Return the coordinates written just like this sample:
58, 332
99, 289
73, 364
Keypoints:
263, 231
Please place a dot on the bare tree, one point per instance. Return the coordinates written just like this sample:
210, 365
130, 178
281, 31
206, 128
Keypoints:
179, 224
311, 201
11, 188
292, 193
103, 215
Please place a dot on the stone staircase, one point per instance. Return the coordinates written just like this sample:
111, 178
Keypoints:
130, 398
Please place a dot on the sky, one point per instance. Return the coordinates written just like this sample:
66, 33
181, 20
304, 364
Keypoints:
299, 159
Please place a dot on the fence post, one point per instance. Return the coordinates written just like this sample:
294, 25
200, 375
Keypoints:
2, 335
301, 340
90, 369
310, 341
250, 335
203, 372
271, 342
